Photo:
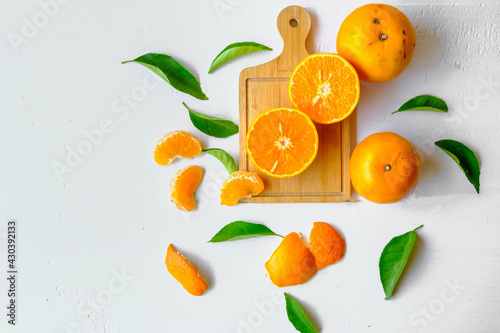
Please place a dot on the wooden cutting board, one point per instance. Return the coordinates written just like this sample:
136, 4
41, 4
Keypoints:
266, 86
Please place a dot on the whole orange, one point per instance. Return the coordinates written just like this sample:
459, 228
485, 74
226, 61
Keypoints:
378, 40
385, 167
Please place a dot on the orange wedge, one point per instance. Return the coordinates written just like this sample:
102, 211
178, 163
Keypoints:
183, 186
176, 144
326, 87
239, 185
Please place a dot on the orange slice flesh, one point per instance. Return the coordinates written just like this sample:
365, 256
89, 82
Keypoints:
176, 144
239, 185
183, 272
282, 142
292, 263
183, 186
326, 87
327, 245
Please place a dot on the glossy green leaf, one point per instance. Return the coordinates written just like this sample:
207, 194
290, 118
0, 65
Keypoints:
171, 71
297, 316
226, 159
213, 126
424, 103
235, 51
393, 260
465, 158
242, 230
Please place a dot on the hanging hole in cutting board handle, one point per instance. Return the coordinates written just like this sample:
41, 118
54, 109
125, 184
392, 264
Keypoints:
294, 24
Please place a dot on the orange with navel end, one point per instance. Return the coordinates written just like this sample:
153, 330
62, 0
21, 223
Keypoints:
239, 185
324, 86
282, 142
292, 263
176, 144
183, 272
183, 186
327, 245
385, 167
378, 40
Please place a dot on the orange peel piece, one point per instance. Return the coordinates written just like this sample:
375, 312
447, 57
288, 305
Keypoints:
292, 263
183, 186
239, 185
176, 144
327, 245
183, 272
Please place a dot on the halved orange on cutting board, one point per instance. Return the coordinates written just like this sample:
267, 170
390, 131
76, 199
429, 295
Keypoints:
326, 87
282, 142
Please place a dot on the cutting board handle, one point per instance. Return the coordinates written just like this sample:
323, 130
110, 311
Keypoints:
294, 24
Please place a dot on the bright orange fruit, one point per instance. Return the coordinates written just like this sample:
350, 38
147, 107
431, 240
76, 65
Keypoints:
378, 40
183, 272
176, 144
325, 86
239, 185
327, 245
384, 167
282, 142
183, 186
292, 263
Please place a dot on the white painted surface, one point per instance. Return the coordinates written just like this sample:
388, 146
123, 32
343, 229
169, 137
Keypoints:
112, 212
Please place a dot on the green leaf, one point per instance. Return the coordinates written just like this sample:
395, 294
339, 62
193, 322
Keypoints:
226, 159
241, 230
171, 71
465, 158
297, 316
235, 51
213, 126
424, 103
393, 260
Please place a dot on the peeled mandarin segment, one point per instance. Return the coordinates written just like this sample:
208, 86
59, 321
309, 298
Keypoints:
239, 185
327, 245
176, 144
378, 40
282, 142
183, 272
292, 263
183, 186
385, 167
326, 87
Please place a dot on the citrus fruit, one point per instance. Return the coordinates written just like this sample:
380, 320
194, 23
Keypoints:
378, 40
183, 272
183, 186
327, 245
176, 144
282, 142
325, 87
384, 167
239, 185
291, 263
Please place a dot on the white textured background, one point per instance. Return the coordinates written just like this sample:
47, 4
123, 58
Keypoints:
112, 215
